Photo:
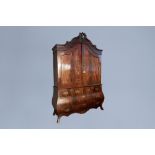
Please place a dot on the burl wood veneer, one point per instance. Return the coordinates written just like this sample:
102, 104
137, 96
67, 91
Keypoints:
77, 77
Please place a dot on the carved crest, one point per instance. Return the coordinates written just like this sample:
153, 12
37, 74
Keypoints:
81, 38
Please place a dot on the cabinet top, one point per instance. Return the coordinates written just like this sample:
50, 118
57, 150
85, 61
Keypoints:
82, 39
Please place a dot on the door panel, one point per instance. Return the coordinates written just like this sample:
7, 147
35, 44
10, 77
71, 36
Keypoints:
86, 68
76, 65
66, 70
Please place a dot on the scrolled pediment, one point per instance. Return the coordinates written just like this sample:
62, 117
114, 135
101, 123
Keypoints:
82, 39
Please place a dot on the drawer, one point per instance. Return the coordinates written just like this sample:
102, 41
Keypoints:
97, 88
78, 91
72, 92
88, 90
63, 93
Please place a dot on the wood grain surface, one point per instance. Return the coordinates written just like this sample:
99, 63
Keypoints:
77, 77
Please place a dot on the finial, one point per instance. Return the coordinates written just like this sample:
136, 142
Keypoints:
82, 36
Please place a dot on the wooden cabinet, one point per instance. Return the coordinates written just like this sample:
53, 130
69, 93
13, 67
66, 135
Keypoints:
77, 77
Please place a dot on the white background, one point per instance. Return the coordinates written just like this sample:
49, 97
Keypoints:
98, 12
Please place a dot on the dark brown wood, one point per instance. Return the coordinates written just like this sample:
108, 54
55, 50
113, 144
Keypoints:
77, 77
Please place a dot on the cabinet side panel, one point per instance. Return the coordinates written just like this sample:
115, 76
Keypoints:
55, 98
96, 69
55, 76
55, 69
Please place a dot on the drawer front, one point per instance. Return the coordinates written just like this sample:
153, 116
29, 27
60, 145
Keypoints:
78, 91
97, 88
79, 99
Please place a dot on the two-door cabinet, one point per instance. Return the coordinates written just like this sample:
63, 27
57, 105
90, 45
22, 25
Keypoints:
77, 77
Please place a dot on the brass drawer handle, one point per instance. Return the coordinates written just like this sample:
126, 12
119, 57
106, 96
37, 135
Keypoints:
65, 93
77, 91
96, 89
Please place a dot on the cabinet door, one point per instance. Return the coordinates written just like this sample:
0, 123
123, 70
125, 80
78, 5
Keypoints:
86, 65
76, 66
65, 69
